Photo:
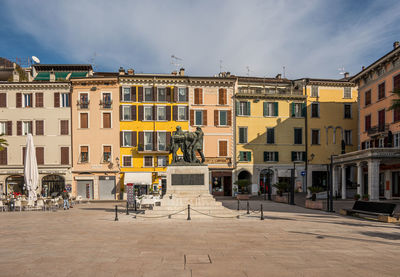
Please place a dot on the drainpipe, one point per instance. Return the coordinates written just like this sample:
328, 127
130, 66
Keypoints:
306, 82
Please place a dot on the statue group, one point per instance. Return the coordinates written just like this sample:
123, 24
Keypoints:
189, 143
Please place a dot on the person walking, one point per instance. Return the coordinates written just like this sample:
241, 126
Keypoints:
65, 196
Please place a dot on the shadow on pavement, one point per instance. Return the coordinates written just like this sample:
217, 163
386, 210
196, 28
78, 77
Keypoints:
381, 235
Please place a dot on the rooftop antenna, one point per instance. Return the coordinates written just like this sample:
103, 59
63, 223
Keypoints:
220, 66
35, 59
92, 60
284, 72
341, 70
177, 62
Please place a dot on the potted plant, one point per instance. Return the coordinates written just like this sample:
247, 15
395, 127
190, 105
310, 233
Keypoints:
365, 197
314, 191
243, 186
235, 191
281, 187
357, 197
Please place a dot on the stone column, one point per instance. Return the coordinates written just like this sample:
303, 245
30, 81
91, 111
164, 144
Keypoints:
334, 181
343, 182
373, 179
360, 185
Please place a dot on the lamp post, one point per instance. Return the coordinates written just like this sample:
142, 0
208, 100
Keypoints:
293, 175
330, 191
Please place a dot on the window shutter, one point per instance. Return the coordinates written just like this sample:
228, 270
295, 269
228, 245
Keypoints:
318, 110
120, 94
265, 105
40, 155
265, 156
3, 100
64, 155
249, 156
141, 141
3, 156
363, 145
204, 117
187, 112
154, 110
241, 156
216, 117
140, 94
191, 117
155, 94
168, 113
37, 100
9, 128
292, 109
187, 95
84, 120
121, 139
19, 100
237, 104
200, 96
23, 154
19, 128
120, 113
106, 120
304, 156
303, 109
225, 96
276, 156
196, 96
39, 127
248, 108
223, 148
31, 127
155, 141
229, 120
175, 113
168, 140
175, 95
276, 109
221, 96
133, 94
134, 138
293, 156
168, 93
140, 114
56, 100
133, 112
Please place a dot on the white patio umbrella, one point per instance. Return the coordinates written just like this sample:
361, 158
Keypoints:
31, 170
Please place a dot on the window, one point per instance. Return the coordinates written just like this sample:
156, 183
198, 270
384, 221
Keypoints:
298, 109
396, 115
161, 94
381, 143
127, 138
182, 113
198, 96
84, 101
367, 122
298, 156
126, 112
3, 156
3, 128
245, 156
148, 161
381, 91
126, 95
347, 93
243, 108
315, 137
271, 156
270, 109
40, 155
347, 110
396, 140
223, 118
367, 144
223, 148
64, 155
162, 161
106, 120
368, 98
298, 136
315, 110
198, 118
148, 141
84, 154
182, 94
162, 141
27, 100
39, 100
148, 94
106, 153
162, 113
270, 135
148, 113
314, 91
65, 100
381, 120
127, 161
26, 127
64, 128
84, 120
347, 137
396, 82
242, 134
3, 100
106, 101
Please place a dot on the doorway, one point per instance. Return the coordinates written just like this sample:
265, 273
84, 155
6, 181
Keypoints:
396, 184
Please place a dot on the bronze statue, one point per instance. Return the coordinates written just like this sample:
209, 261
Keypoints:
189, 143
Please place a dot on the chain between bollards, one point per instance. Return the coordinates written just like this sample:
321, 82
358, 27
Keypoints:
116, 213
248, 207
238, 204
262, 213
127, 208
188, 218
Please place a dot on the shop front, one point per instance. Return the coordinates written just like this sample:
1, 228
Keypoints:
140, 180
221, 183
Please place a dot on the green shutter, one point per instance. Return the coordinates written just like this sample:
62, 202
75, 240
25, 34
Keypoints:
276, 108
293, 156
249, 155
265, 108
265, 157
303, 109
304, 156
276, 156
248, 108
292, 109
237, 107
241, 156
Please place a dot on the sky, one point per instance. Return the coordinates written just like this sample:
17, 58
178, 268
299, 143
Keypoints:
303, 38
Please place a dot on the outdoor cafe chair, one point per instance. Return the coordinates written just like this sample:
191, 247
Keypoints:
2, 206
40, 205
18, 204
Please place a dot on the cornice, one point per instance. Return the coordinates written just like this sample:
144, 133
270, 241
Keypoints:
270, 96
30, 85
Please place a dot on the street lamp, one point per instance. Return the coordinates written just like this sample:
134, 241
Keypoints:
330, 190
293, 174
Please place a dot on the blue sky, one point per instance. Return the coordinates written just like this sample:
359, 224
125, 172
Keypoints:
309, 38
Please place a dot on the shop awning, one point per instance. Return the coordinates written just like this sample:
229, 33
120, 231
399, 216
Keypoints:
43, 76
138, 178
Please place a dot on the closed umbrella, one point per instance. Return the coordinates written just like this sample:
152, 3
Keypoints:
31, 170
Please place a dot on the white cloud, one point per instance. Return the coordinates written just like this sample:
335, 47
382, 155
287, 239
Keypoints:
309, 38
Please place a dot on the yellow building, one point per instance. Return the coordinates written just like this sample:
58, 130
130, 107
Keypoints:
151, 107
332, 117
270, 132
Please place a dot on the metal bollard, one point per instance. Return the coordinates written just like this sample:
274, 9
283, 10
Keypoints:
135, 206
248, 207
238, 204
116, 213
188, 218
262, 213
127, 208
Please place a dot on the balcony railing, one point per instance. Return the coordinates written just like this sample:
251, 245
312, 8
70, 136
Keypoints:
378, 129
269, 91
106, 104
150, 148
83, 104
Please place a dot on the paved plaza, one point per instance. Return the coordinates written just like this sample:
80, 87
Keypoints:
291, 241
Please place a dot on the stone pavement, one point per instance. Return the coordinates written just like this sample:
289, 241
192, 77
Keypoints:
291, 241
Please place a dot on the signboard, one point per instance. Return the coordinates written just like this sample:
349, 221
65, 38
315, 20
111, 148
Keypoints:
130, 193
68, 187
187, 179
303, 173
88, 191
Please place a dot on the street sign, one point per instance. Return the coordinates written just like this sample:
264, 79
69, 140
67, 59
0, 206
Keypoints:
303, 173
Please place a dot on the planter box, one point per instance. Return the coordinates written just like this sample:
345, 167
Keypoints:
280, 199
316, 205
243, 196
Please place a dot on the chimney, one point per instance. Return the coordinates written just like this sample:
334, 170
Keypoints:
131, 71
395, 44
52, 76
15, 74
363, 67
121, 71
278, 76
181, 71
346, 75
228, 74
174, 73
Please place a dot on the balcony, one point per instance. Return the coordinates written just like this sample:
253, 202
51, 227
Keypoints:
269, 91
83, 104
378, 129
106, 104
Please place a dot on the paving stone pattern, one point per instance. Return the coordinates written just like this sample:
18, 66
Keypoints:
291, 241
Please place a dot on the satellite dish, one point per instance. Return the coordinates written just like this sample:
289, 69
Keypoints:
35, 59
